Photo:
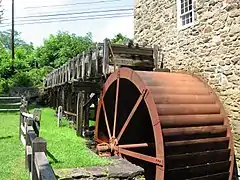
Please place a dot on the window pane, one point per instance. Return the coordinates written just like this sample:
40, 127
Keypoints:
182, 11
186, 9
190, 1
187, 15
182, 6
190, 19
187, 21
183, 21
191, 14
186, 3
190, 7
182, 1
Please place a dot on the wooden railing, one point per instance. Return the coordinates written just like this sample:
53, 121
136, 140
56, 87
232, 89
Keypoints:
10, 104
101, 60
35, 147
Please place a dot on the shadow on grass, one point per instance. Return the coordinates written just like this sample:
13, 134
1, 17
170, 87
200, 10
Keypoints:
6, 137
53, 158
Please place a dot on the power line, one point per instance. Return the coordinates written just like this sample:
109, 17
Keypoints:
73, 13
71, 17
76, 19
71, 4
82, 9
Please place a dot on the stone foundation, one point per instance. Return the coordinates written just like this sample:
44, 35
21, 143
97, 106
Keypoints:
121, 169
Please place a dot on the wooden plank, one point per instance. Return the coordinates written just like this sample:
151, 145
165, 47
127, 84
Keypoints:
80, 113
11, 104
7, 98
28, 154
38, 145
42, 164
132, 62
121, 49
23, 140
9, 110
27, 115
69, 113
23, 129
105, 59
37, 114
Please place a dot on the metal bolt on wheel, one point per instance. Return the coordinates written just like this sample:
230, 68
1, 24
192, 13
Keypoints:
171, 124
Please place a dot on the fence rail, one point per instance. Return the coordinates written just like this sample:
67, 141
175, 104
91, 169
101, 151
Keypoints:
35, 147
10, 103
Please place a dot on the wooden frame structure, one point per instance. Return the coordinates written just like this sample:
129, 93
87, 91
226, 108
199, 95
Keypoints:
10, 104
76, 86
36, 161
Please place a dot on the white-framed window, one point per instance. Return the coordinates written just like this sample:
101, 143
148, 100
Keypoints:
185, 11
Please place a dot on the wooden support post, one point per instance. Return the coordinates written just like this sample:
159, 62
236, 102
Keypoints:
20, 121
37, 114
86, 110
68, 99
38, 145
37, 118
105, 57
63, 99
80, 113
30, 134
60, 116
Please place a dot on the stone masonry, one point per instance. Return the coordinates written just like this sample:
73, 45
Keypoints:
210, 48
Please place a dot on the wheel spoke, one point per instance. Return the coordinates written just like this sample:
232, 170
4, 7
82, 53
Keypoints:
106, 119
130, 116
128, 146
116, 108
143, 157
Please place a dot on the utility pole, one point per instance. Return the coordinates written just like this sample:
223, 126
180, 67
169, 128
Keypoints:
13, 52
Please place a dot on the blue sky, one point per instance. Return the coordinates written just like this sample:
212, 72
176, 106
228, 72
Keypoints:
100, 28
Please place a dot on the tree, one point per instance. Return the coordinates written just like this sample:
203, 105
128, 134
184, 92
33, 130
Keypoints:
57, 49
6, 39
120, 39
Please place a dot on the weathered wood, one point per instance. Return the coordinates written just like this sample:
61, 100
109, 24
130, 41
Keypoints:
8, 98
155, 55
70, 113
11, 104
80, 113
27, 115
38, 145
60, 116
45, 171
83, 66
30, 136
37, 114
105, 60
132, 62
86, 110
9, 110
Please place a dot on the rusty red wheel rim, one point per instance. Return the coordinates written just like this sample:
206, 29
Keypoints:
128, 74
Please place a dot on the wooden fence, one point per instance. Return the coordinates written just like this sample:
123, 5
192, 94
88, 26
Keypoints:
35, 147
10, 103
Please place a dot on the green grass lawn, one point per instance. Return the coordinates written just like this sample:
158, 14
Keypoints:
65, 149
11, 150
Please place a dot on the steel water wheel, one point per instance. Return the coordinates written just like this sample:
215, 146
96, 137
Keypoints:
171, 124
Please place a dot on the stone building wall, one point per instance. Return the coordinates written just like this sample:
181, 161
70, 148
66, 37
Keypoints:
210, 48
